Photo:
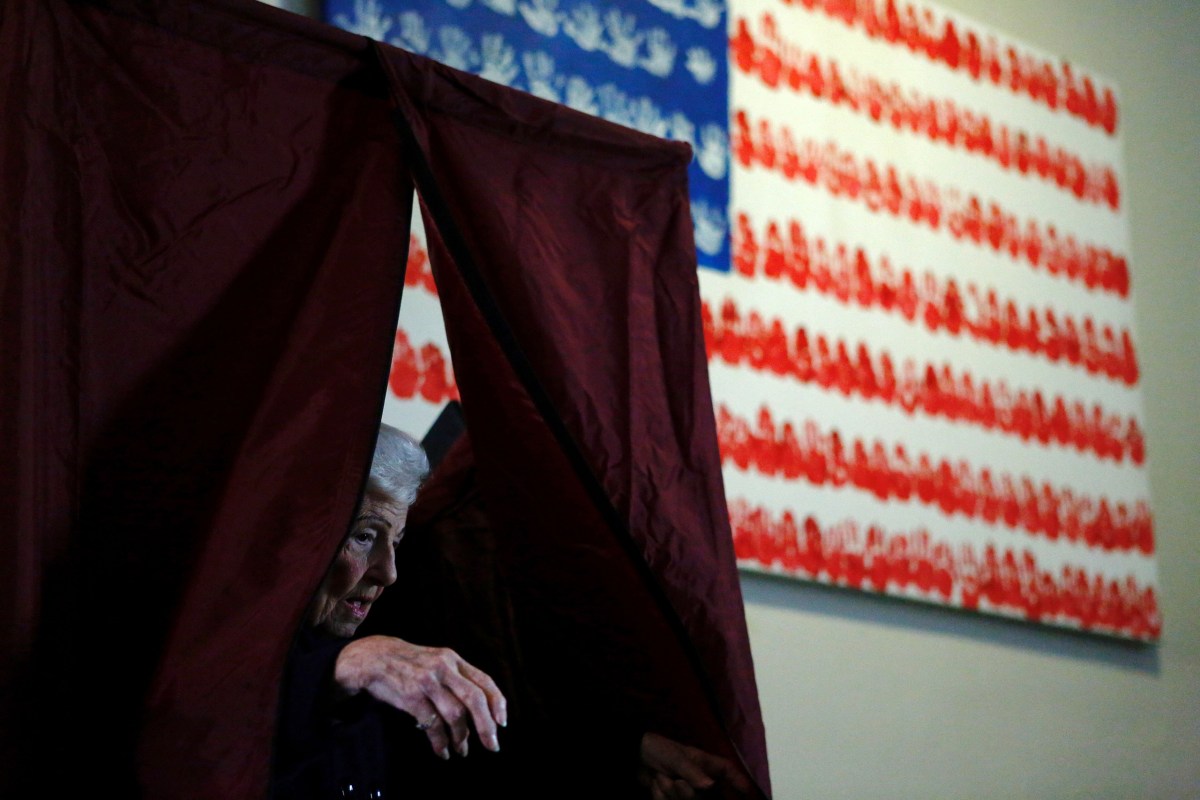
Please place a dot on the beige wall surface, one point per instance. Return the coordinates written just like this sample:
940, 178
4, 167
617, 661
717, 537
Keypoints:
868, 698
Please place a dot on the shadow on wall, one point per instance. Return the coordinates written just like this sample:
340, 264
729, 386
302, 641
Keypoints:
892, 612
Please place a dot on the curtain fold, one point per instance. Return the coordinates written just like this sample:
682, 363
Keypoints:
204, 238
567, 277
203, 219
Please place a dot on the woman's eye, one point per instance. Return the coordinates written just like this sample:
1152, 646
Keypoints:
365, 538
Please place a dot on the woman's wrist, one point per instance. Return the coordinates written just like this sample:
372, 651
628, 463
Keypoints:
355, 664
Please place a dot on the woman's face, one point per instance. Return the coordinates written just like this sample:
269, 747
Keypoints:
365, 565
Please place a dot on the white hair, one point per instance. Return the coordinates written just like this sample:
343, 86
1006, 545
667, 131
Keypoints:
398, 467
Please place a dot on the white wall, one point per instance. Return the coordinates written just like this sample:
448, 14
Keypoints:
868, 698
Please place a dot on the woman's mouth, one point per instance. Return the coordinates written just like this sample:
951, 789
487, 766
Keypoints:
358, 606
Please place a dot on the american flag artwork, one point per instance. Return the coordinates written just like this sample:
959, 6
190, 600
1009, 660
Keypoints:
653, 65
918, 309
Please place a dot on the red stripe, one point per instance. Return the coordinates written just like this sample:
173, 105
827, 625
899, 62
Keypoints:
767, 346
887, 471
778, 62
418, 274
849, 275
966, 218
424, 373
1053, 85
985, 577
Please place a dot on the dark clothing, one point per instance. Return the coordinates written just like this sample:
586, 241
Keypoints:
575, 726
326, 747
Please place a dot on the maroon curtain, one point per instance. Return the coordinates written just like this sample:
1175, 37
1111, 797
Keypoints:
205, 222
567, 277
203, 216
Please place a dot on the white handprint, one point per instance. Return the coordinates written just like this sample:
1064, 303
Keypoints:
581, 96
647, 118
506, 7
456, 49
682, 129
539, 72
369, 20
713, 151
413, 34
660, 58
541, 15
584, 27
614, 106
708, 225
499, 60
707, 13
624, 39
701, 64
673, 7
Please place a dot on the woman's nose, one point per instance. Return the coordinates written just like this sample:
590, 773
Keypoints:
383, 566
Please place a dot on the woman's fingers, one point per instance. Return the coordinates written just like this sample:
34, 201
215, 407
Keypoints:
455, 715
443, 693
497, 704
460, 691
680, 771
476, 703
429, 719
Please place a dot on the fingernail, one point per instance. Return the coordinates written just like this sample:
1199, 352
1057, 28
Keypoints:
444, 754
462, 748
493, 743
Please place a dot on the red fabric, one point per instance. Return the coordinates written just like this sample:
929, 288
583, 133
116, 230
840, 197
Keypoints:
581, 234
203, 255
202, 215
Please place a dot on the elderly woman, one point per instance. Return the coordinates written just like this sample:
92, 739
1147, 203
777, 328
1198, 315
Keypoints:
344, 697
340, 692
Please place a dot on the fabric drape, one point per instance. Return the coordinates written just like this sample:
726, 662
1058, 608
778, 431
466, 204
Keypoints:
573, 317
203, 212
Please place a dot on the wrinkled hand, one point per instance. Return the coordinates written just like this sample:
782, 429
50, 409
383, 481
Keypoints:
674, 771
432, 684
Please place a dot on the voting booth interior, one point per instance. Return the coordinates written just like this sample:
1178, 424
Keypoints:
206, 215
